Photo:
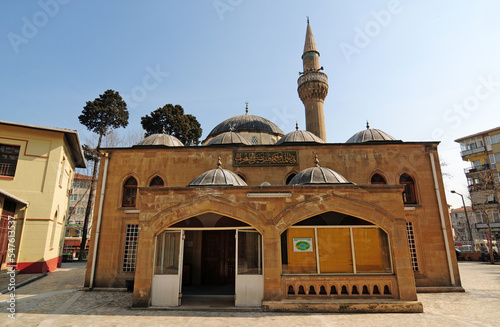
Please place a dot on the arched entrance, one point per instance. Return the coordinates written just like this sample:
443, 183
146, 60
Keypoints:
208, 259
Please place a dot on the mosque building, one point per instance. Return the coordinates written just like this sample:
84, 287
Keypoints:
281, 222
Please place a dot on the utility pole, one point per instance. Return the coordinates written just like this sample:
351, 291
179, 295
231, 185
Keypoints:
466, 216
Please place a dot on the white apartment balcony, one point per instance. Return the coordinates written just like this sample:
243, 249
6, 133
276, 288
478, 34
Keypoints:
483, 226
468, 152
472, 170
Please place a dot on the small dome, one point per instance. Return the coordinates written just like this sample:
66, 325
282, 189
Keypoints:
229, 138
161, 139
318, 175
298, 136
218, 177
370, 134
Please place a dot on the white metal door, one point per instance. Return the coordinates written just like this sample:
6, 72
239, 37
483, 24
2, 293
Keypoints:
166, 285
249, 282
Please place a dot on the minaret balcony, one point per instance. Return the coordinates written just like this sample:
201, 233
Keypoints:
313, 76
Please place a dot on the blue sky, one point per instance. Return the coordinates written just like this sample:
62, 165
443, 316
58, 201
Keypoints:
418, 70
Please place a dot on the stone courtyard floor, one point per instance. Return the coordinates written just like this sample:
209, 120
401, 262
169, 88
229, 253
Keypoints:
56, 300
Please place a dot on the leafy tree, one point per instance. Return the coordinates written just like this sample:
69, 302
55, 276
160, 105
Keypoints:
485, 192
171, 119
100, 116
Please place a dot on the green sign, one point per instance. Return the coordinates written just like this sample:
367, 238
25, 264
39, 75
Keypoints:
302, 245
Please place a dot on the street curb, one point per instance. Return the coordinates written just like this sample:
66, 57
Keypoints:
21, 284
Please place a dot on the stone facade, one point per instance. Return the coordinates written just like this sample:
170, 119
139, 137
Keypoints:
361, 227
158, 208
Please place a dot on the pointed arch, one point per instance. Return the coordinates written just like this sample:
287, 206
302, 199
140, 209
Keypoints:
332, 202
410, 191
377, 177
206, 204
154, 176
129, 192
242, 177
290, 176
156, 181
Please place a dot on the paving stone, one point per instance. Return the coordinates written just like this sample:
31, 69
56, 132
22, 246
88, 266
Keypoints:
57, 300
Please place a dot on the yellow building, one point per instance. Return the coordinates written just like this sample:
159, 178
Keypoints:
281, 222
37, 165
482, 150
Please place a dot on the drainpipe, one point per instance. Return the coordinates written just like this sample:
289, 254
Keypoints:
443, 225
99, 217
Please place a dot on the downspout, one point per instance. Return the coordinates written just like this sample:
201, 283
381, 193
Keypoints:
443, 225
99, 217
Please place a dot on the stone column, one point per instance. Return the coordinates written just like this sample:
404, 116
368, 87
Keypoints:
272, 264
402, 262
144, 266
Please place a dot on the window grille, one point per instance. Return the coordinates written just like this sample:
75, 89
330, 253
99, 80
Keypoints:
413, 247
9, 155
130, 249
156, 182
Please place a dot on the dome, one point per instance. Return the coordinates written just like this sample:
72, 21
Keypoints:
248, 123
161, 139
229, 138
298, 136
218, 177
318, 175
370, 134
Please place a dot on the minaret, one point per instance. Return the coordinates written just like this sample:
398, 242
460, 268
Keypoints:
313, 87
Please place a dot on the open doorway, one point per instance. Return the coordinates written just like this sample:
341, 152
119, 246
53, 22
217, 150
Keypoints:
209, 262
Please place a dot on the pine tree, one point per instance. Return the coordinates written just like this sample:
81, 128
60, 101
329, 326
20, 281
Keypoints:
105, 113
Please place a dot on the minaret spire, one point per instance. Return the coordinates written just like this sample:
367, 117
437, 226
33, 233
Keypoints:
310, 44
313, 86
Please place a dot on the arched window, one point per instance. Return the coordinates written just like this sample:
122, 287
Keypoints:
290, 177
242, 177
157, 182
409, 195
335, 243
129, 192
378, 179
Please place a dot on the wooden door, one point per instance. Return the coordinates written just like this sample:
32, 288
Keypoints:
9, 209
218, 257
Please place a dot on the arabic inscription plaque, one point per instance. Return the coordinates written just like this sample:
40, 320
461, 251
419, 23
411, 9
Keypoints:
265, 158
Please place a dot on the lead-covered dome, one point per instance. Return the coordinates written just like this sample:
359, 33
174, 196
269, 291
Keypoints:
370, 134
318, 175
161, 139
229, 138
246, 123
218, 177
299, 136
